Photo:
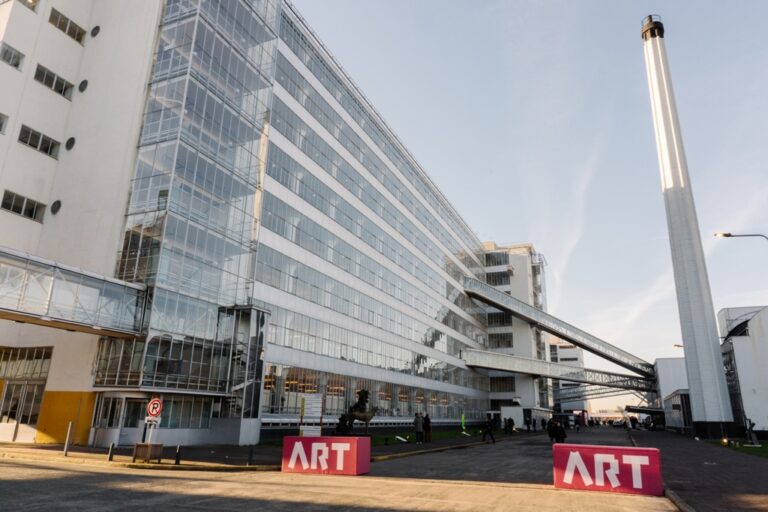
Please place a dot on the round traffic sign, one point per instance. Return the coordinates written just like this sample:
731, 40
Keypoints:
155, 407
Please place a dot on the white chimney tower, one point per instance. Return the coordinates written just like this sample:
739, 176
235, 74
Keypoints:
710, 403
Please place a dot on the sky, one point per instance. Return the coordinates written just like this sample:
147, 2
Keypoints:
534, 120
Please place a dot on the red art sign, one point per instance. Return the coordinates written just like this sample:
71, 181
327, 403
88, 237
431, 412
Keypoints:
607, 468
327, 455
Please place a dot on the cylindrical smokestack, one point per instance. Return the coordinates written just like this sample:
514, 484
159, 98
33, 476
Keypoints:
710, 403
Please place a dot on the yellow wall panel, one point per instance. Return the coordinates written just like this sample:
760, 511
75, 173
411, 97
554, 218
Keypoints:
57, 409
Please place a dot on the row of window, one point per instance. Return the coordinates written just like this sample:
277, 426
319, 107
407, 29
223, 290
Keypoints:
67, 26
299, 133
15, 58
500, 340
310, 99
53, 81
302, 332
284, 385
499, 319
502, 384
11, 56
25, 363
314, 61
38, 141
497, 278
494, 259
289, 173
304, 232
279, 271
23, 206
178, 412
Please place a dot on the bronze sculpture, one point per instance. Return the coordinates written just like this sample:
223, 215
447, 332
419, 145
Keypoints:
357, 412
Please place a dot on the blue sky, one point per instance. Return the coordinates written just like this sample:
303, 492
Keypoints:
534, 119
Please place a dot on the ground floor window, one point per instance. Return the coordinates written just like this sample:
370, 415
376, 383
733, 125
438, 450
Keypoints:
21, 402
284, 387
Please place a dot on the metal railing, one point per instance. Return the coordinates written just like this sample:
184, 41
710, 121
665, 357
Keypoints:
553, 325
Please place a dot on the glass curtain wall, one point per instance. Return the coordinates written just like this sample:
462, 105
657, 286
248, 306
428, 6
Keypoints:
191, 219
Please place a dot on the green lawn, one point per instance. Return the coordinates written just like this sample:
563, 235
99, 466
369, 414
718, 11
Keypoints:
762, 451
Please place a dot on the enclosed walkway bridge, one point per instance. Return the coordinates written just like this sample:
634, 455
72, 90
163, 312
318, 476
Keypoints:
586, 392
553, 325
39, 291
538, 368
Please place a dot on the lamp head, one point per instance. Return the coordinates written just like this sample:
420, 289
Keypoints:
720, 234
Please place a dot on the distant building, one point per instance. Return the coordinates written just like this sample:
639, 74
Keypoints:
517, 270
672, 393
568, 354
745, 356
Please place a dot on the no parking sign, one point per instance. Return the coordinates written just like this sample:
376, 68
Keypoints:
154, 407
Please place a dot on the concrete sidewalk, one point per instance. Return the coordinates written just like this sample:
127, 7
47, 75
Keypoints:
222, 457
42, 486
709, 477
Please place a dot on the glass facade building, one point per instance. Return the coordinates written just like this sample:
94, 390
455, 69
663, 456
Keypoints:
281, 241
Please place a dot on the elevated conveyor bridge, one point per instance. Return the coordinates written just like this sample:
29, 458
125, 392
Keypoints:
553, 325
39, 291
585, 392
538, 368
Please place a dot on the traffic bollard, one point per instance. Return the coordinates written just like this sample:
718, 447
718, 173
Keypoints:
66, 443
178, 455
111, 453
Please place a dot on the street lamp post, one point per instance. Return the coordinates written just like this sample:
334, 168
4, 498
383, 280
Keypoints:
721, 234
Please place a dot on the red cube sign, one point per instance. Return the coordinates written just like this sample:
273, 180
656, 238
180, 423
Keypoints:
608, 468
327, 455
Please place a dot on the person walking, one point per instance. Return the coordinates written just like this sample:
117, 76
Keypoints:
418, 427
560, 433
427, 428
551, 431
543, 424
489, 429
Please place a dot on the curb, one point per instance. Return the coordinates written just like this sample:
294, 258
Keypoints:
671, 495
198, 467
138, 465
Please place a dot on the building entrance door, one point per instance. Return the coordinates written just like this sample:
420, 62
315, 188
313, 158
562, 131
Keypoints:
132, 428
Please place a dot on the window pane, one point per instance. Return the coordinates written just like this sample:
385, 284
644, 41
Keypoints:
7, 200
18, 204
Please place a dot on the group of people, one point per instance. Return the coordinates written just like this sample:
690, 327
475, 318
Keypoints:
422, 426
555, 431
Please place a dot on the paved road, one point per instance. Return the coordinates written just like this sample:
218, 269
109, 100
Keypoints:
709, 477
483, 478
